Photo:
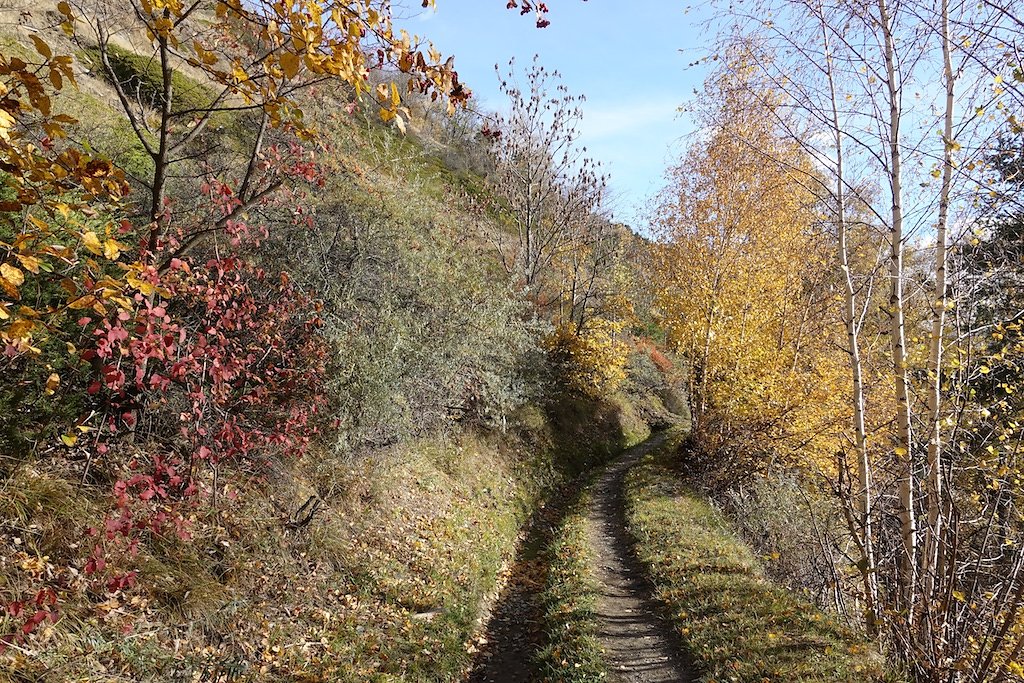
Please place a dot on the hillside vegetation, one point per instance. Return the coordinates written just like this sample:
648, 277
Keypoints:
307, 364
287, 424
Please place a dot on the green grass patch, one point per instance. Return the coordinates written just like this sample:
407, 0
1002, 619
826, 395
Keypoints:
140, 76
738, 626
571, 652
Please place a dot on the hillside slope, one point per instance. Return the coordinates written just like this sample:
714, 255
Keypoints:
366, 552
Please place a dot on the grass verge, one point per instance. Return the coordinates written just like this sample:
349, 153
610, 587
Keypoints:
572, 652
384, 585
738, 626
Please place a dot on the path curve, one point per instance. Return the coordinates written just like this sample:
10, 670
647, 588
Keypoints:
638, 646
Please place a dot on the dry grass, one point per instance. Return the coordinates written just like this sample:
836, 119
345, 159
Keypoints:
386, 582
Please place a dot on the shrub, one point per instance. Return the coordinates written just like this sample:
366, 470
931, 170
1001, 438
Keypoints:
140, 77
790, 526
591, 360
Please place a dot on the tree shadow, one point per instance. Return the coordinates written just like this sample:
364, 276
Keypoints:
514, 633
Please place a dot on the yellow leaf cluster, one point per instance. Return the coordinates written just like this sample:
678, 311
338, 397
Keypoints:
741, 287
593, 359
50, 221
310, 41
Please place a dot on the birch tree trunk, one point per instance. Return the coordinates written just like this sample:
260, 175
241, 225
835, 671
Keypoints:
904, 434
862, 496
932, 562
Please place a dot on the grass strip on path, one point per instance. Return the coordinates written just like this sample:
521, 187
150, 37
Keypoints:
737, 625
571, 652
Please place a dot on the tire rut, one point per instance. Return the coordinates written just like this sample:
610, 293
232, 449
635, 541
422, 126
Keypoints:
513, 632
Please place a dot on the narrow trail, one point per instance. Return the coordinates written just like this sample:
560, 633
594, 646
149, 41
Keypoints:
638, 646
514, 629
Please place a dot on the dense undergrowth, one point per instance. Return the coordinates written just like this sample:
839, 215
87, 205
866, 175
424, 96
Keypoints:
736, 623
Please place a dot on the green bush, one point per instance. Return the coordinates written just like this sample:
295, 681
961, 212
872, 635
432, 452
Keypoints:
424, 334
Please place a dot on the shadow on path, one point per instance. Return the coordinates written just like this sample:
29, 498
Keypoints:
514, 631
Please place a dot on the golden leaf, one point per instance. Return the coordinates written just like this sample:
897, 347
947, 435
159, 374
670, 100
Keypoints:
41, 46
29, 263
7, 122
12, 275
290, 64
21, 329
112, 250
92, 242
82, 303
33, 564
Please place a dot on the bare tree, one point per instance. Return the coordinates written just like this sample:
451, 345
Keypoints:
549, 192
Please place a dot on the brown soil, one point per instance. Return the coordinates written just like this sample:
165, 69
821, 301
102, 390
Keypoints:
638, 646
513, 631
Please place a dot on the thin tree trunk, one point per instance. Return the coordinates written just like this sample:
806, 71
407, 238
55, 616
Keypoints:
706, 355
904, 436
862, 497
158, 213
933, 561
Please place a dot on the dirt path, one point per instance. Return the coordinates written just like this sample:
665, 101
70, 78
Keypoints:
638, 646
514, 629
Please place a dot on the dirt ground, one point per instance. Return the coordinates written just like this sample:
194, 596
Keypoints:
638, 646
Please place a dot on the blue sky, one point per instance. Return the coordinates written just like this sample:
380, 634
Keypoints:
628, 58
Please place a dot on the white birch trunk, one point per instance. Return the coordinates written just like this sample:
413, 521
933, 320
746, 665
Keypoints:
932, 560
862, 496
904, 436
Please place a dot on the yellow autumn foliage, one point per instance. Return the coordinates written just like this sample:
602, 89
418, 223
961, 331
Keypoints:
743, 290
592, 359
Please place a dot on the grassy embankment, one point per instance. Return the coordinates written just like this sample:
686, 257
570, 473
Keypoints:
385, 582
737, 625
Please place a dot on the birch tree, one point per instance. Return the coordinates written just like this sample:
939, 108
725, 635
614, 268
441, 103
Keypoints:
743, 290
898, 102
